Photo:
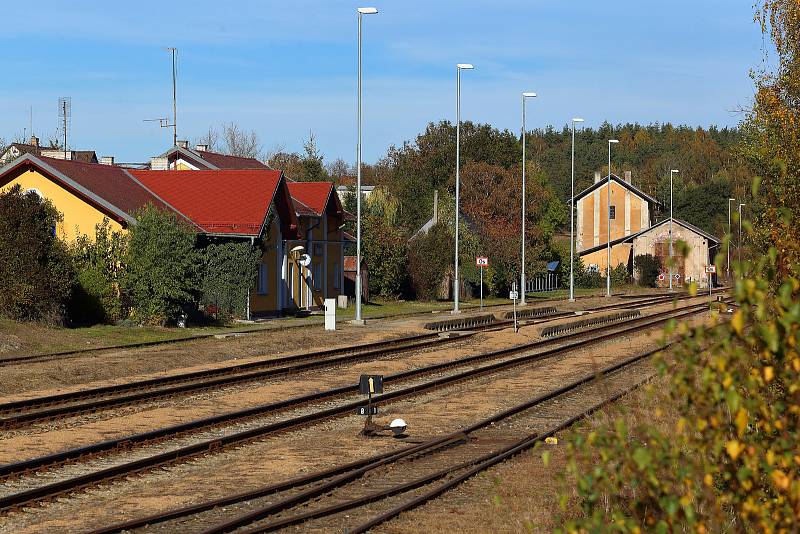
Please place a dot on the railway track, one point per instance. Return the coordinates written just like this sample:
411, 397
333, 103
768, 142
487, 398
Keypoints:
399, 480
27, 411
210, 442
49, 356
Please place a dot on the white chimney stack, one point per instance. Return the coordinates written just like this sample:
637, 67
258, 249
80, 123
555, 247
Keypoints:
597, 176
159, 164
201, 148
628, 176
107, 160
183, 144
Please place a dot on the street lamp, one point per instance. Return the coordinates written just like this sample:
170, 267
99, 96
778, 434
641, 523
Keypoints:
608, 220
740, 234
459, 68
358, 320
522, 278
671, 174
730, 234
572, 217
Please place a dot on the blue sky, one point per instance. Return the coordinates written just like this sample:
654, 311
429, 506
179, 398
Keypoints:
286, 68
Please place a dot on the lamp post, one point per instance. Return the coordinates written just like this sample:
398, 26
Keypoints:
459, 68
730, 233
358, 320
572, 217
740, 234
608, 220
522, 277
671, 174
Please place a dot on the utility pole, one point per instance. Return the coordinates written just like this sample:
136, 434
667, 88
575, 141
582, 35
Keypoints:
174, 52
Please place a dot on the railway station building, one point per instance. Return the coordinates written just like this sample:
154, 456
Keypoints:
254, 205
634, 231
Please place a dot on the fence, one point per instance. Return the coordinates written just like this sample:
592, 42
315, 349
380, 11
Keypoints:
541, 282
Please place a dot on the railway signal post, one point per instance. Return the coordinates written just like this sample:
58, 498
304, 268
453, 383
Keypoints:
482, 262
369, 385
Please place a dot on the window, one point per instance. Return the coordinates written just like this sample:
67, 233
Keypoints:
263, 280
317, 277
336, 275
318, 250
613, 212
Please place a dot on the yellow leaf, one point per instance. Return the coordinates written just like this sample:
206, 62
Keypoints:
708, 480
734, 449
780, 479
769, 374
741, 421
737, 322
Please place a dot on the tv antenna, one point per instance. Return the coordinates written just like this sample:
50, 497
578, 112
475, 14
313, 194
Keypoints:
163, 122
64, 116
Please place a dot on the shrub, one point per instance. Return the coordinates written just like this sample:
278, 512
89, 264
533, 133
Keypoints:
647, 268
386, 253
619, 275
229, 271
430, 258
96, 295
729, 462
36, 271
162, 267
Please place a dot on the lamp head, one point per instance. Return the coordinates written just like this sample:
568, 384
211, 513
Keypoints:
529, 95
674, 170
577, 119
367, 10
298, 248
465, 66
613, 141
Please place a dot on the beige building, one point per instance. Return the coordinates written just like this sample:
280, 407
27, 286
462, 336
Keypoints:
630, 210
701, 249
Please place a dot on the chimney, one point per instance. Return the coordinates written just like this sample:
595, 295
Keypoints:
107, 160
183, 144
159, 164
597, 176
435, 206
201, 148
35, 141
628, 176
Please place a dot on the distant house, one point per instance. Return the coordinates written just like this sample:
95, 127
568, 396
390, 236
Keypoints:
350, 278
183, 158
344, 190
16, 150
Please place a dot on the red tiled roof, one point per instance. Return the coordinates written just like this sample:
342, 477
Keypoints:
108, 182
313, 195
219, 202
224, 161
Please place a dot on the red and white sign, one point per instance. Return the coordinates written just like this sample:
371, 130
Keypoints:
481, 261
711, 269
661, 277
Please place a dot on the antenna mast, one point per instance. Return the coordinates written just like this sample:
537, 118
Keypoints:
174, 96
64, 114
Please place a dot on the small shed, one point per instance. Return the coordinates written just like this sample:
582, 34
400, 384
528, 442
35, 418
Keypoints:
350, 278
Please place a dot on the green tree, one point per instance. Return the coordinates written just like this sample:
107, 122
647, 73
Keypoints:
386, 253
430, 259
313, 167
36, 270
99, 264
229, 271
162, 267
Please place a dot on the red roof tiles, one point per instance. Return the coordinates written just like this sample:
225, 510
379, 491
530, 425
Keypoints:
219, 202
311, 195
108, 182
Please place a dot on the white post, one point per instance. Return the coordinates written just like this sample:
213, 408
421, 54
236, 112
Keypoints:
730, 238
458, 178
522, 275
361, 11
481, 287
608, 220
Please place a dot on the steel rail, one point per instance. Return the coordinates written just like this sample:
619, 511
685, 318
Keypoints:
204, 423
17, 413
201, 448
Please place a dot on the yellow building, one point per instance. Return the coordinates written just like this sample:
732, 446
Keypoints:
629, 210
319, 239
84, 193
